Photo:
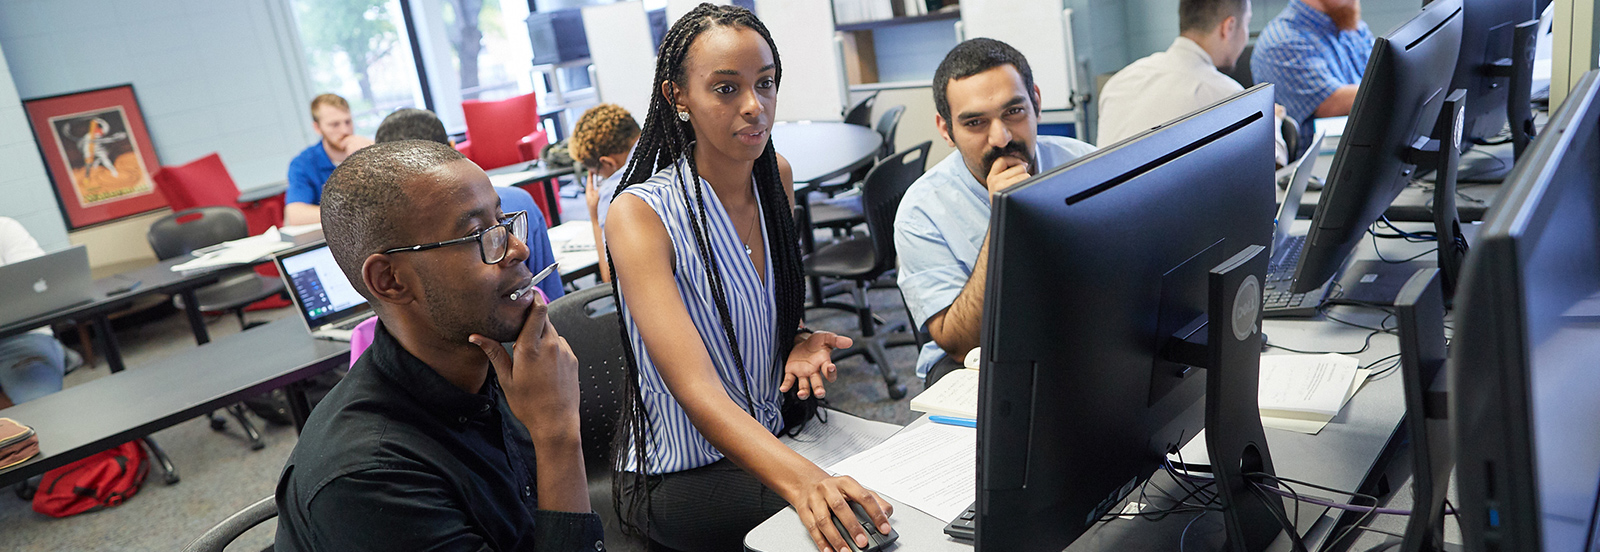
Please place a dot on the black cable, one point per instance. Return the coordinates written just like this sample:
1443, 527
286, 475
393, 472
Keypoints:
1365, 518
1367, 344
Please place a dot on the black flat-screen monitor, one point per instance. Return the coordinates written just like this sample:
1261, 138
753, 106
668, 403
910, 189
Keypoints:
1487, 30
1406, 81
1093, 267
1524, 379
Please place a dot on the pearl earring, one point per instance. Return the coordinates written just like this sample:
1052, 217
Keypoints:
683, 116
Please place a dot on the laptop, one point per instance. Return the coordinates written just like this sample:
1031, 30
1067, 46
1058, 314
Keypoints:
326, 301
1279, 301
44, 284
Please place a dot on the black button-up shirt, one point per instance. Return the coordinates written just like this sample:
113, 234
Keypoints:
398, 458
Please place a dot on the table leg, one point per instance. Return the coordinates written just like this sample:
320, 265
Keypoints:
108, 342
553, 199
197, 323
299, 406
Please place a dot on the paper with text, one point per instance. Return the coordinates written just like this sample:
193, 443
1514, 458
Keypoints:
932, 468
843, 436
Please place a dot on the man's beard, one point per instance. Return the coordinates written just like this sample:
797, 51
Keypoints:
455, 323
1347, 18
1013, 148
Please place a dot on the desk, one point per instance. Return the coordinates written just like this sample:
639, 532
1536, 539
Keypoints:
819, 151
579, 263
1415, 202
522, 174
85, 419
112, 295
1354, 452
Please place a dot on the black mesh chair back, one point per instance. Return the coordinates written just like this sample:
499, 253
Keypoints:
861, 113
881, 193
183, 232
588, 320
887, 123
219, 537
1241, 69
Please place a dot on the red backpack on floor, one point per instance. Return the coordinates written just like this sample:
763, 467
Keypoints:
100, 481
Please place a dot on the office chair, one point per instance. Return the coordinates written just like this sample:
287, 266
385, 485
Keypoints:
1241, 69
502, 132
205, 182
861, 112
588, 318
183, 232
862, 259
220, 536
842, 216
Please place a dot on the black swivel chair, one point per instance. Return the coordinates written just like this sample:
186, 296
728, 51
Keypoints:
861, 112
588, 319
217, 538
183, 232
842, 217
862, 259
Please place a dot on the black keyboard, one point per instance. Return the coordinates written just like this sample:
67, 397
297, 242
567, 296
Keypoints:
965, 527
1277, 300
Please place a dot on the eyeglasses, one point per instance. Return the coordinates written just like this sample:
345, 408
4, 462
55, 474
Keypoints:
493, 242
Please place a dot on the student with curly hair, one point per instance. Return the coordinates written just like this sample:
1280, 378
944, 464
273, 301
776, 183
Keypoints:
602, 142
706, 262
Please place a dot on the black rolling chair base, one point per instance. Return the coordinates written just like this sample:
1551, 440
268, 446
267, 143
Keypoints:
169, 471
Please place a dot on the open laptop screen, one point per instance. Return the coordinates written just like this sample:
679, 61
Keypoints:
320, 289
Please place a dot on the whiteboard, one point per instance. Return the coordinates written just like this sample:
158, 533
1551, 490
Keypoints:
813, 80
620, 48
1034, 28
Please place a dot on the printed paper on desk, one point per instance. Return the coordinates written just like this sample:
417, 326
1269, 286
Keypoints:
933, 468
1309, 384
841, 437
1308, 425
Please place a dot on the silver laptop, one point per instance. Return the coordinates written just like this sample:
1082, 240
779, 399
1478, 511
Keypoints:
43, 284
1298, 180
326, 301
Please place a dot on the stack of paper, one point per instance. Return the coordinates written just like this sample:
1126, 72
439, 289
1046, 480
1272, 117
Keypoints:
240, 251
932, 468
955, 394
1304, 392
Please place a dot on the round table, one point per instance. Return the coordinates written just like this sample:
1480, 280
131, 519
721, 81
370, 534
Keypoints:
818, 151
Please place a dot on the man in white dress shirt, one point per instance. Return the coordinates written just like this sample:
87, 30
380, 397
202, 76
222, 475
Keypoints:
1186, 77
31, 364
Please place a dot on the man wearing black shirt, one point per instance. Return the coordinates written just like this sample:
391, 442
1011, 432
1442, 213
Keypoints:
439, 439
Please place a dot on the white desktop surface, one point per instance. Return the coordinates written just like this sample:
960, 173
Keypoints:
1338, 456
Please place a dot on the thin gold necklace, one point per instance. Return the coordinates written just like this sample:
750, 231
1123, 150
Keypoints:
746, 237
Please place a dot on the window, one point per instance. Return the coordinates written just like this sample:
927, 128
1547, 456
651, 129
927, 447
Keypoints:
359, 49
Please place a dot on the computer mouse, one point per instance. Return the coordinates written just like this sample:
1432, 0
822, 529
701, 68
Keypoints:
875, 541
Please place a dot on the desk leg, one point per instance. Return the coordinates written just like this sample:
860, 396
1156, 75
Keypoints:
197, 323
299, 407
553, 199
108, 343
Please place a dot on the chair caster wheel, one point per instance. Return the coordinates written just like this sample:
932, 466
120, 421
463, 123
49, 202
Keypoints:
258, 445
172, 479
218, 424
897, 391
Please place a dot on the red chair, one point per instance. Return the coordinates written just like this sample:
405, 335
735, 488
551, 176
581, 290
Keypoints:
204, 182
503, 132
506, 132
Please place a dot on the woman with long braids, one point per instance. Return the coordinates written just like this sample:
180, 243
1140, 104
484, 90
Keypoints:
706, 264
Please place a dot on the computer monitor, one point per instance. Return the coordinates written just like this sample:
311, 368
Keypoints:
1102, 274
1523, 384
1420, 310
1495, 67
1397, 107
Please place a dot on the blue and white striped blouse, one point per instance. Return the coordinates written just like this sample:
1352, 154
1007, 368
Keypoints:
675, 444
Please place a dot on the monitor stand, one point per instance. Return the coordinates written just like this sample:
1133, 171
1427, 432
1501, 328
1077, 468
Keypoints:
1376, 283
1229, 349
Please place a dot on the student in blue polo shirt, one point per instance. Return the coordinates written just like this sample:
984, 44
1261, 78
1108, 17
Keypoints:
330, 117
988, 109
1314, 53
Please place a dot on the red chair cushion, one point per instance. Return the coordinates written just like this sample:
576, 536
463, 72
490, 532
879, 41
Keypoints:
205, 182
495, 129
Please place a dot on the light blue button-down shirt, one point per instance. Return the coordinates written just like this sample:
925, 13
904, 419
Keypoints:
940, 227
1306, 57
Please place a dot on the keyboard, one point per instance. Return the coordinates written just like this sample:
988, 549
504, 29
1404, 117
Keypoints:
1277, 300
965, 527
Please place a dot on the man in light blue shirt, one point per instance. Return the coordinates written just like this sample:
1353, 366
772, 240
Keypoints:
988, 109
1314, 53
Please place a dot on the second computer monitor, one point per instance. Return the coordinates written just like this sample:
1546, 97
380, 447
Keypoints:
1094, 268
1406, 81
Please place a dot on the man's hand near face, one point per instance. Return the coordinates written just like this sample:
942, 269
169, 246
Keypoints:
350, 143
540, 380
1006, 172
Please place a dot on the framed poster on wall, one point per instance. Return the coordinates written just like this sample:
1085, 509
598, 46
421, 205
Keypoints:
98, 152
